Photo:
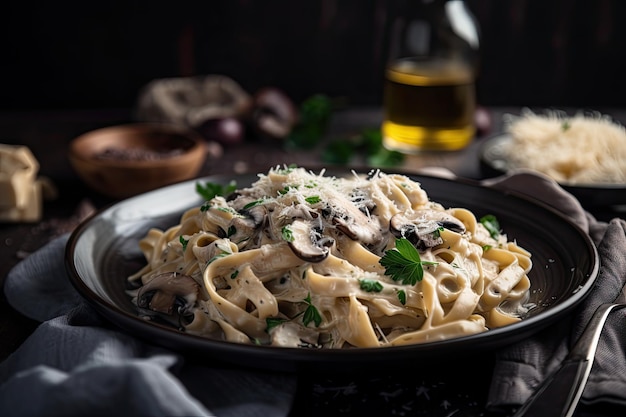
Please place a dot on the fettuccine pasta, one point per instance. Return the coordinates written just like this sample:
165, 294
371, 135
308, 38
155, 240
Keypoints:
300, 259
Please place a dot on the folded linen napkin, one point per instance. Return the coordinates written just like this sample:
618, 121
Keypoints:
521, 367
75, 364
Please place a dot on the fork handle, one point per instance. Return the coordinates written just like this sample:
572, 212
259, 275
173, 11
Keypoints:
558, 395
560, 392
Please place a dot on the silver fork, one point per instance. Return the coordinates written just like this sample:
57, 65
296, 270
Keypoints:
559, 393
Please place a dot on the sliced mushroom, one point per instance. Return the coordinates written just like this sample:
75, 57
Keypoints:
244, 231
422, 234
422, 229
445, 220
170, 294
353, 222
245, 226
258, 213
308, 243
249, 206
240, 231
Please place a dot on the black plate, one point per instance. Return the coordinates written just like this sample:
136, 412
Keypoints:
494, 162
103, 250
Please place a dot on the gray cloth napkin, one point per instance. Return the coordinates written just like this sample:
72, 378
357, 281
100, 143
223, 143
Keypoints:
521, 367
74, 364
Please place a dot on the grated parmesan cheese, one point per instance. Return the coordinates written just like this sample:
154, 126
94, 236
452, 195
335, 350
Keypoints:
582, 149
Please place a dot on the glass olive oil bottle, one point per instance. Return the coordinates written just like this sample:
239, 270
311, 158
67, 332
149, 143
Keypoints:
429, 94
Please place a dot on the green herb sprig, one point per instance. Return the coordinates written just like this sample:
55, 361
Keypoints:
370, 285
272, 322
491, 224
403, 263
183, 242
209, 190
311, 314
315, 114
368, 143
401, 296
565, 125
314, 199
287, 233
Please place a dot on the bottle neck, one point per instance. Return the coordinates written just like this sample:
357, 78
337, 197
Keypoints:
441, 29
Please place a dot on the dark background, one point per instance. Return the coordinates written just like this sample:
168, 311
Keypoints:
82, 55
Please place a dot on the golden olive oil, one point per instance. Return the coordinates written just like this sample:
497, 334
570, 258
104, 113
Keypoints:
428, 105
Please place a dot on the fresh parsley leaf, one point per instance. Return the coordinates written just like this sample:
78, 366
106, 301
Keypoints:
403, 263
209, 190
491, 224
371, 140
311, 314
235, 274
402, 296
287, 233
313, 199
368, 144
252, 204
184, 242
370, 285
376, 154
315, 113
285, 190
565, 125
273, 322
338, 152
216, 257
228, 210
385, 158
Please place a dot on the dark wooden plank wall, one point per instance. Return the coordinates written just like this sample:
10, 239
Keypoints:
99, 54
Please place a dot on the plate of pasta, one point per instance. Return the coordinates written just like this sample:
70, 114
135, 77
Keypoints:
584, 153
294, 267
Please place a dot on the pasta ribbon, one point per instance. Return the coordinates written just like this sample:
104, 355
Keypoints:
296, 259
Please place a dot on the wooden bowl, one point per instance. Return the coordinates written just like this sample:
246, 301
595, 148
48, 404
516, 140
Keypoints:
125, 160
